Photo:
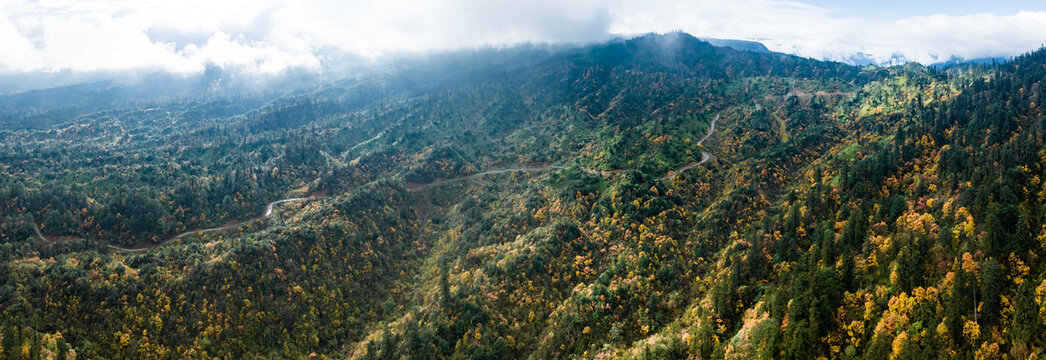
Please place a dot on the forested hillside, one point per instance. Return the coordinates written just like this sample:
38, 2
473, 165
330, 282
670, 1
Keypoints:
653, 198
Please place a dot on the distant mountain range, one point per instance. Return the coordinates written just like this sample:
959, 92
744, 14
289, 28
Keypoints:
746, 45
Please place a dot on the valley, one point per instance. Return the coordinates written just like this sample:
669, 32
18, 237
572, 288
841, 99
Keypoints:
655, 197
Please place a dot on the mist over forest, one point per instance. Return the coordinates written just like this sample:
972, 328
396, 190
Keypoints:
656, 196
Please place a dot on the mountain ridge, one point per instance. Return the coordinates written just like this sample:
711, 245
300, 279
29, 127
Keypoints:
846, 212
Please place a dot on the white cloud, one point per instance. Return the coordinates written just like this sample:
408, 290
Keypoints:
811, 31
269, 36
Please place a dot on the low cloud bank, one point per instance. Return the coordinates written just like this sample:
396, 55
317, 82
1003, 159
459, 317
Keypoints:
272, 37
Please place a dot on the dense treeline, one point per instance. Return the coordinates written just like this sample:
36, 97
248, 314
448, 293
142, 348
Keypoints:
843, 213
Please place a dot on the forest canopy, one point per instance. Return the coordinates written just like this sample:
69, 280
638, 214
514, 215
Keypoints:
654, 198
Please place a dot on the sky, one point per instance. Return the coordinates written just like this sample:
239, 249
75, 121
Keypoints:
274, 36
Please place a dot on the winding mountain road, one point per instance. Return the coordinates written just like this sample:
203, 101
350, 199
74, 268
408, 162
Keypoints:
671, 174
38, 233
704, 156
269, 209
498, 171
